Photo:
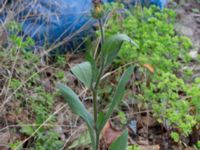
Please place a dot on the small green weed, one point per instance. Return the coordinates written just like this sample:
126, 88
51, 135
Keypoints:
174, 102
153, 30
24, 87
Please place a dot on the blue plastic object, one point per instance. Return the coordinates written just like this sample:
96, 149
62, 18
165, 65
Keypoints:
52, 21
160, 3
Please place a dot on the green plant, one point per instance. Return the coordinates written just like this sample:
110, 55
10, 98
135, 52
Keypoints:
90, 74
122, 117
172, 108
23, 85
41, 104
175, 136
153, 30
15, 145
174, 104
133, 147
194, 96
198, 145
174, 101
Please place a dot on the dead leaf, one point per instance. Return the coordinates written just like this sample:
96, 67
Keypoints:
47, 85
11, 118
150, 147
189, 148
4, 138
149, 67
143, 142
109, 134
148, 121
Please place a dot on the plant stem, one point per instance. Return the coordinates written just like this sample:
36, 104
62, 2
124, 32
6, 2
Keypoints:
97, 141
97, 5
95, 105
95, 89
102, 32
94, 93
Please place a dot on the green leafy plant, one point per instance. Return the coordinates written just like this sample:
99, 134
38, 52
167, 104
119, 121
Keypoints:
172, 101
153, 30
167, 101
23, 85
198, 145
91, 79
90, 74
194, 96
122, 117
175, 136
134, 147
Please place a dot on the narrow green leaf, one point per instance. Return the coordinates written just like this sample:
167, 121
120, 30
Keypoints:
121, 142
83, 72
119, 93
100, 119
112, 46
78, 108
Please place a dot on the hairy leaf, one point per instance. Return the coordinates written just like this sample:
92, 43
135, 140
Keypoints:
83, 72
78, 108
119, 93
112, 46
